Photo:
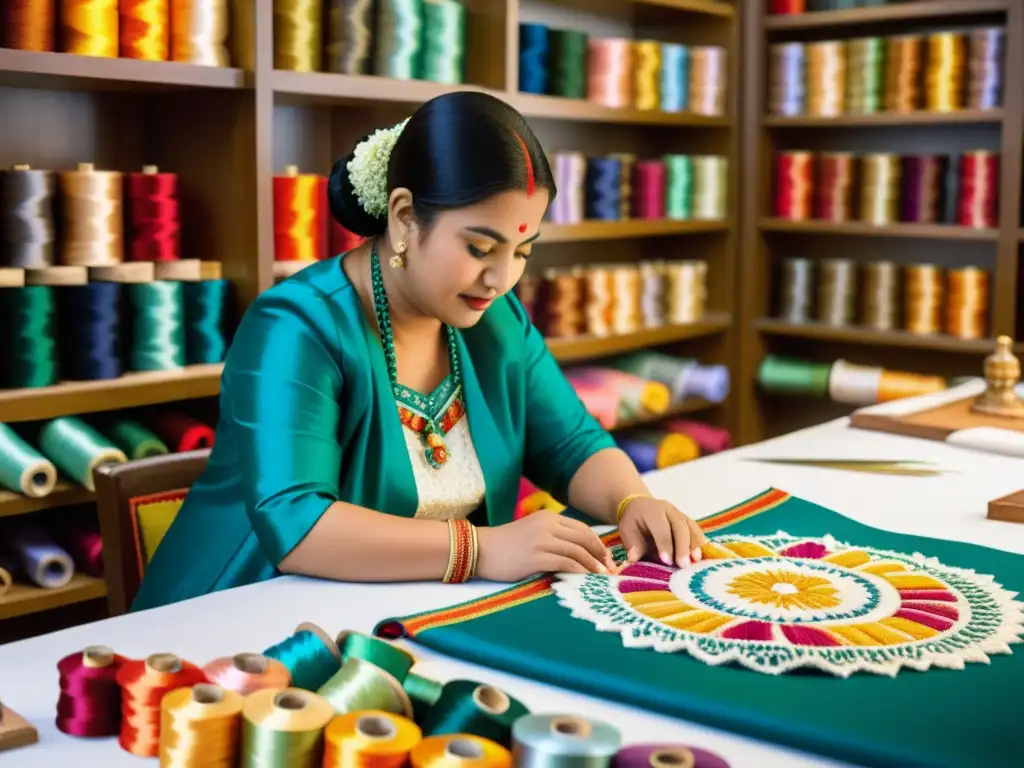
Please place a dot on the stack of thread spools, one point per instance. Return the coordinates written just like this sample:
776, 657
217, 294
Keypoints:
621, 186
185, 31
312, 700
48, 556
615, 299
401, 39
621, 73
883, 189
304, 231
842, 381
109, 295
880, 295
937, 72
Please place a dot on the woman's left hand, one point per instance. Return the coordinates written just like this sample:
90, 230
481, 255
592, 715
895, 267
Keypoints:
675, 538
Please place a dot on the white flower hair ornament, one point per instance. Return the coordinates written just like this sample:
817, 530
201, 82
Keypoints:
368, 169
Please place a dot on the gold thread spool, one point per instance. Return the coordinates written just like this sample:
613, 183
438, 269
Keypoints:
903, 56
879, 296
373, 738
145, 29
826, 89
89, 28
92, 217
880, 188
200, 727
967, 303
459, 751
923, 299
944, 77
283, 727
199, 32
646, 72
248, 672
297, 37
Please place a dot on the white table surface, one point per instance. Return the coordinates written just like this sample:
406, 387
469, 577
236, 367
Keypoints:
254, 617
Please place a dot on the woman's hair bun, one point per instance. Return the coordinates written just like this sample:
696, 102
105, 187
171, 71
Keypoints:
345, 206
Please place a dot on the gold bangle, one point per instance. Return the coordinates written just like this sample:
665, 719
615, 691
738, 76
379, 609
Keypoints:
453, 551
621, 509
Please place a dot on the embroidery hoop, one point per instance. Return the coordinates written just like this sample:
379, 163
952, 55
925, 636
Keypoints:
990, 619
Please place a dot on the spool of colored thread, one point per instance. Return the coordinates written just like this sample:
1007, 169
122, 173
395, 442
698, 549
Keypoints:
26, 218
879, 296
710, 187
28, 25
796, 292
638, 396
540, 740
7, 571
309, 654
604, 181
93, 227
880, 188
158, 326
39, 557
145, 29
646, 74
83, 542
534, 54
199, 31
786, 92
627, 163
979, 190
924, 298
205, 302
181, 432
826, 78
788, 376
77, 449
359, 686
370, 738
650, 193
921, 196
834, 192
853, 384
659, 450
22, 468
567, 75
865, 78
710, 439
201, 720
284, 727
896, 385
666, 756
392, 659
298, 45
89, 27
348, 36
674, 85
837, 292
29, 345
683, 377
944, 77
298, 216
444, 41
570, 169
135, 440
783, 7
422, 691
560, 303
678, 187
708, 80
144, 684
967, 303
686, 291
985, 74
399, 38
248, 672
153, 219
794, 189
463, 749
90, 321
603, 404
903, 61
89, 705
469, 707
610, 72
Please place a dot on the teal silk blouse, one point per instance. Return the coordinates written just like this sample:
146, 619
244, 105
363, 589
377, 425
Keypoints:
307, 418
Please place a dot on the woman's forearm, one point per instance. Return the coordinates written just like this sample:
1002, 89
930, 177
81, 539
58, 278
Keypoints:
351, 543
602, 481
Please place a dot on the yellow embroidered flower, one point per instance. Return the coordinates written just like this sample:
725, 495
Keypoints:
784, 589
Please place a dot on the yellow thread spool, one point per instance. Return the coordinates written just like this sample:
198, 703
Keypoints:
89, 27
200, 726
370, 738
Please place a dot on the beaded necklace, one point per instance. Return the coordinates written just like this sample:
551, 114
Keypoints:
431, 416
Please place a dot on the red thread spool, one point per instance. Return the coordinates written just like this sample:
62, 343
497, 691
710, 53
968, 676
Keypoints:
794, 188
649, 190
300, 220
182, 432
153, 223
90, 697
143, 686
788, 6
834, 192
979, 184
711, 439
610, 72
85, 545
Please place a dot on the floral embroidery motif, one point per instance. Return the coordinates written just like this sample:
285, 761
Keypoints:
778, 603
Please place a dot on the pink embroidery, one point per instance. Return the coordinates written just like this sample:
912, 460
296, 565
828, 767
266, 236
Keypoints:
938, 609
750, 630
928, 594
927, 619
807, 636
809, 549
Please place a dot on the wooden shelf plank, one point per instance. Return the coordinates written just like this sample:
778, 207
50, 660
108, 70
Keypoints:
580, 110
22, 599
64, 495
922, 10
33, 69
869, 336
706, 7
690, 405
886, 119
131, 391
589, 347
620, 230
920, 231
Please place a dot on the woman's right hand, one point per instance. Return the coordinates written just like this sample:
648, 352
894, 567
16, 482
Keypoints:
542, 542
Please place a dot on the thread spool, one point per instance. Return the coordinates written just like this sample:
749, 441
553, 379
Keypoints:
444, 42
967, 303
375, 738
145, 29
91, 322
653, 294
651, 190
392, 659
610, 72
567, 63
667, 756
423, 693
987, 48
627, 165
709, 439
650, 450
283, 727
854, 384
837, 292
298, 45
685, 291
89, 705
309, 655
92, 225
204, 305
979, 190
944, 77
398, 40
570, 169
158, 330
790, 376
22, 468
83, 542
534, 54
202, 722
903, 61
360, 685
461, 751
833, 193
7, 571
604, 182
199, 32
786, 92
879, 296
794, 189
560, 300
28, 25
40, 558
678, 187
541, 740
880, 189
865, 76
181, 433
922, 188
710, 187
469, 707
796, 295
924, 298
896, 385
708, 80
826, 74
29, 346
152, 217
26, 218
646, 75
247, 672
674, 83
348, 36
89, 27
77, 449
298, 216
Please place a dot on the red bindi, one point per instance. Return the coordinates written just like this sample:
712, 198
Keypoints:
522, 227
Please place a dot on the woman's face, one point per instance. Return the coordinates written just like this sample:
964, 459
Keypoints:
474, 255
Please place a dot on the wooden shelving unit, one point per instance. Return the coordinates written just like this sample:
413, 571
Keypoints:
227, 131
764, 240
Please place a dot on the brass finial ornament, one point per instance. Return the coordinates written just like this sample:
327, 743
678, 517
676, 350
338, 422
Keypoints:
1002, 374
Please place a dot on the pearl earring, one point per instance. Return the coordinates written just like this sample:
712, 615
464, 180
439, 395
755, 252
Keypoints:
398, 260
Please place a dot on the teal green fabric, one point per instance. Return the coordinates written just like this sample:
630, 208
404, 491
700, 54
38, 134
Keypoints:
938, 718
307, 418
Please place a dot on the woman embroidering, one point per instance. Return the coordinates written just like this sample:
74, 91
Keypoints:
315, 470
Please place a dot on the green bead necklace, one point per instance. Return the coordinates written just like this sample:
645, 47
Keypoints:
431, 416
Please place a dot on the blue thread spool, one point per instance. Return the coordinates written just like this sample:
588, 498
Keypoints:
675, 77
604, 188
89, 318
310, 655
534, 54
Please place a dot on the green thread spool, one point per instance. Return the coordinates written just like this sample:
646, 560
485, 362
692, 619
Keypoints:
392, 659
444, 41
204, 305
679, 187
310, 655
158, 331
568, 73
77, 449
283, 728
135, 440
865, 82
360, 685
469, 707
399, 38
29, 346
423, 693
790, 376
22, 468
